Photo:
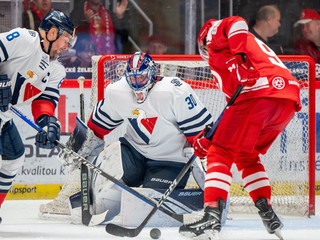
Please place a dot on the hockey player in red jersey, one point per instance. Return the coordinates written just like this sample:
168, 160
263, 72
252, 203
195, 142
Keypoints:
267, 103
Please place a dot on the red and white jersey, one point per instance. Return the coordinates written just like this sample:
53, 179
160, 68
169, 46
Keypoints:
32, 74
229, 36
158, 128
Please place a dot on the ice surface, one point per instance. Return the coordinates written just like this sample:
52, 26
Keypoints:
20, 221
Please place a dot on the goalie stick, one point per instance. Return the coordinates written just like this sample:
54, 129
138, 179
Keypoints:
121, 231
82, 160
87, 218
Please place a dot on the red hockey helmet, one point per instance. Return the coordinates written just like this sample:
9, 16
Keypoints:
202, 39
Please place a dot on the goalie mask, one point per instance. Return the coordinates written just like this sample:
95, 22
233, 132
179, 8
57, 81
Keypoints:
141, 74
202, 39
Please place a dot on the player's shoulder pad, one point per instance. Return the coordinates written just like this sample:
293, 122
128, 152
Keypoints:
120, 85
173, 83
28, 36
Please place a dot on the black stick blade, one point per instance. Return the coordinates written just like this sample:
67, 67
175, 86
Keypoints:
120, 231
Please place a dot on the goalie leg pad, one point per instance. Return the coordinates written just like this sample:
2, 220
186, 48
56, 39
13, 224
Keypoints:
198, 167
60, 205
160, 174
106, 195
198, 173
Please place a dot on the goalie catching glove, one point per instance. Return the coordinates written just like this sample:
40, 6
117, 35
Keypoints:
50, 134
82, 141
239, 65
201, 144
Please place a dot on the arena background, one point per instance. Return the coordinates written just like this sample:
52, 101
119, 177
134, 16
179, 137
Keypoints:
178, 21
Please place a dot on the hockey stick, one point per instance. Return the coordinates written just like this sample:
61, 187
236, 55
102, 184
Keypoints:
82, 112
86, 217
82, 160
133, 232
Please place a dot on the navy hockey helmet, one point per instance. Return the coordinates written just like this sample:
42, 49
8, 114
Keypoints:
59, 20
141, 74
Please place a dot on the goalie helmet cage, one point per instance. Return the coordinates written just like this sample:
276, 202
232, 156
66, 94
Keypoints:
290, 162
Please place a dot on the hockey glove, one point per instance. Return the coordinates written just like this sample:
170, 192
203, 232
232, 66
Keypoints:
5, 92
82, 141
51, 132
201, 144
247, 75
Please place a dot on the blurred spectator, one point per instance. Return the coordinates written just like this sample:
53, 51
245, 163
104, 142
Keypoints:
156, 45
267, 24
85, 50
107, 30
309, 43
32, 17
78, 60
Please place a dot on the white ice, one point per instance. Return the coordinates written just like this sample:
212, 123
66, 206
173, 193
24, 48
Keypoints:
20, 221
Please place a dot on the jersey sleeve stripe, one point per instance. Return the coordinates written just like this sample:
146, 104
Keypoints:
205, 121
103, 120
48, 98
199, 115
50, 94
239, 27
103, 126
54, 90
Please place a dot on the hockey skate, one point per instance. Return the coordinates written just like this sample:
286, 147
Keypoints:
269, 218
207, 227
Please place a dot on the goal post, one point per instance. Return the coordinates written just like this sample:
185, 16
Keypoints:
290, 162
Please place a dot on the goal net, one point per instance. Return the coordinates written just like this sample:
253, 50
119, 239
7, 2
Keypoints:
290, 162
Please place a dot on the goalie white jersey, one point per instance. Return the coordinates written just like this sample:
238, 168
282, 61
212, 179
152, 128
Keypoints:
29, 68
161, 126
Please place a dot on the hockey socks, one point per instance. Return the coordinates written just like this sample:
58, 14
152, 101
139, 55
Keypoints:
256, 182
217, 185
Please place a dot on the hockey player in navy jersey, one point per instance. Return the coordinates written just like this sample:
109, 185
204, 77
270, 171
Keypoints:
30, 75
163, 116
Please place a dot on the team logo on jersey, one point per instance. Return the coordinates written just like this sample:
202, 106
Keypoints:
30, 90
278, 83
143, 125
32, 33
